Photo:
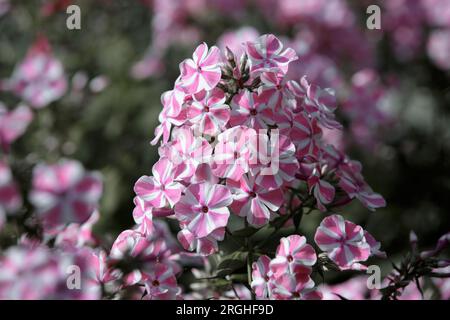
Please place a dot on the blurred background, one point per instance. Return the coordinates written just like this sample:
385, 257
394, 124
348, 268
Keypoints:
392, 85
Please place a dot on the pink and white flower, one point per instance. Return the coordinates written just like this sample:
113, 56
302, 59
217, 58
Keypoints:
39, 79
204, 246
293, 256
254, 202
10, 198
352, 182
294, 287
64, 192
232, 153
267, 54
342, 240
203, 208
202, 72
187, 152
248, 109
208, 112
159, 190
277, 163
261, 276
306, 134
13, 124
161, 283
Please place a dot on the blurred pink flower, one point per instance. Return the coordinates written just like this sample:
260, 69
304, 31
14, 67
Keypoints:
13, 124
39, 79
64, 192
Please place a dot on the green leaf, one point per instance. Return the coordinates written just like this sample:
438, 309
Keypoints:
229, 263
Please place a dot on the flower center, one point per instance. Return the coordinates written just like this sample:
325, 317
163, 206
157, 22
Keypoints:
205, 209
296, 294
252, 194
290, 258
206, 109
253, 112
155, 283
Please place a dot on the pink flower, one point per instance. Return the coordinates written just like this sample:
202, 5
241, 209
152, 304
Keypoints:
208, 112
203, 208
320, 104
143, 216
261, 276
13, 124
322, 190
232, 153
204, 246
293, 256
64, 192
342, 240
352, 182
203, 71
10, 198
39, 79
159, 190
267, 54
234, 39
249, 110
306, 134
294, 287
375, 246
277, 163
438, 48
161, 283
40, 273
131, 243
253, 201
76, 235
187, 152
275, 90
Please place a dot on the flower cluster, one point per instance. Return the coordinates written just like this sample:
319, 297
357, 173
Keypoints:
239, 137
287, 276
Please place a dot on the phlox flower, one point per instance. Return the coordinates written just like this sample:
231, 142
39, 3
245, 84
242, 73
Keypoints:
39, 79
322, 190
208, 112
320, 104
250, 110
261, 276
131, 244
161, 283
187, 152
10, 198
267, 54
353, 183
294, 287
13, 124
275, 90
76, 235
204, 246
306, 135
254, 202
203, 208
143, 216
375, 245
277, 163
293, 256
232, 152
160, 189
64, 192
342, 240
202, 72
